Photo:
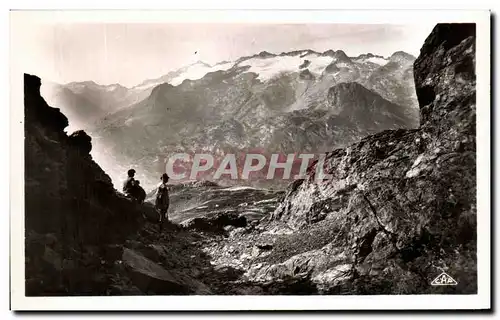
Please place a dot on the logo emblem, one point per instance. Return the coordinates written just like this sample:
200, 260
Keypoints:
444, 279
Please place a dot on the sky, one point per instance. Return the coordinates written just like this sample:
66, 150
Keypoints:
129, 53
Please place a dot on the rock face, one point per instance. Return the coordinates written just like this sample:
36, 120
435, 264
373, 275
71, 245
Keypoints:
401, 205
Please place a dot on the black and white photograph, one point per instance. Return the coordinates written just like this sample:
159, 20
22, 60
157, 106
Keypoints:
342, 158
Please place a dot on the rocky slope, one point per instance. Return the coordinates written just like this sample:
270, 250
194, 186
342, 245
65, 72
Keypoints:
399, 206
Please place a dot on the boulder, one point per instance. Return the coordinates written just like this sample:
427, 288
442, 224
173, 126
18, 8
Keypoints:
151, 278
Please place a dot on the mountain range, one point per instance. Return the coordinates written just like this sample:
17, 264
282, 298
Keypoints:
298, 101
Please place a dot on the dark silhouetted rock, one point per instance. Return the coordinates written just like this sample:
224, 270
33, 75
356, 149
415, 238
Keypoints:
81, 141
305, 64
306, 75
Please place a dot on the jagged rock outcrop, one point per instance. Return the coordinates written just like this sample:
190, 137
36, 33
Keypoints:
67, 193
305, 64
81, 141
401, 205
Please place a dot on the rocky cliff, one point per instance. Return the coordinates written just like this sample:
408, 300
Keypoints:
397, 209
402, 203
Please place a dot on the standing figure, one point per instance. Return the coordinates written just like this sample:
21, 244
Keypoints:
162, 200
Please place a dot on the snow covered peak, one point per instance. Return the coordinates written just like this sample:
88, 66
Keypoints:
194, 71
197, 71
267, 65
372, 59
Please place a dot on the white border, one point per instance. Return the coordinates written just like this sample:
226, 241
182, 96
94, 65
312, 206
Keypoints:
481, 300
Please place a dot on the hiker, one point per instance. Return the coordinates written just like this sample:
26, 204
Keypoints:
162, 201
138, 192
128, 184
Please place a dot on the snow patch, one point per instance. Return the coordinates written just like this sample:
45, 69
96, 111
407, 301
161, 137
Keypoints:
265, 201
319, 63
239, 188
112, 87
267, 68
342, 65
377, 60
197, 71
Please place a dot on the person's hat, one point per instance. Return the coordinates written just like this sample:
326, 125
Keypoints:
130, 171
